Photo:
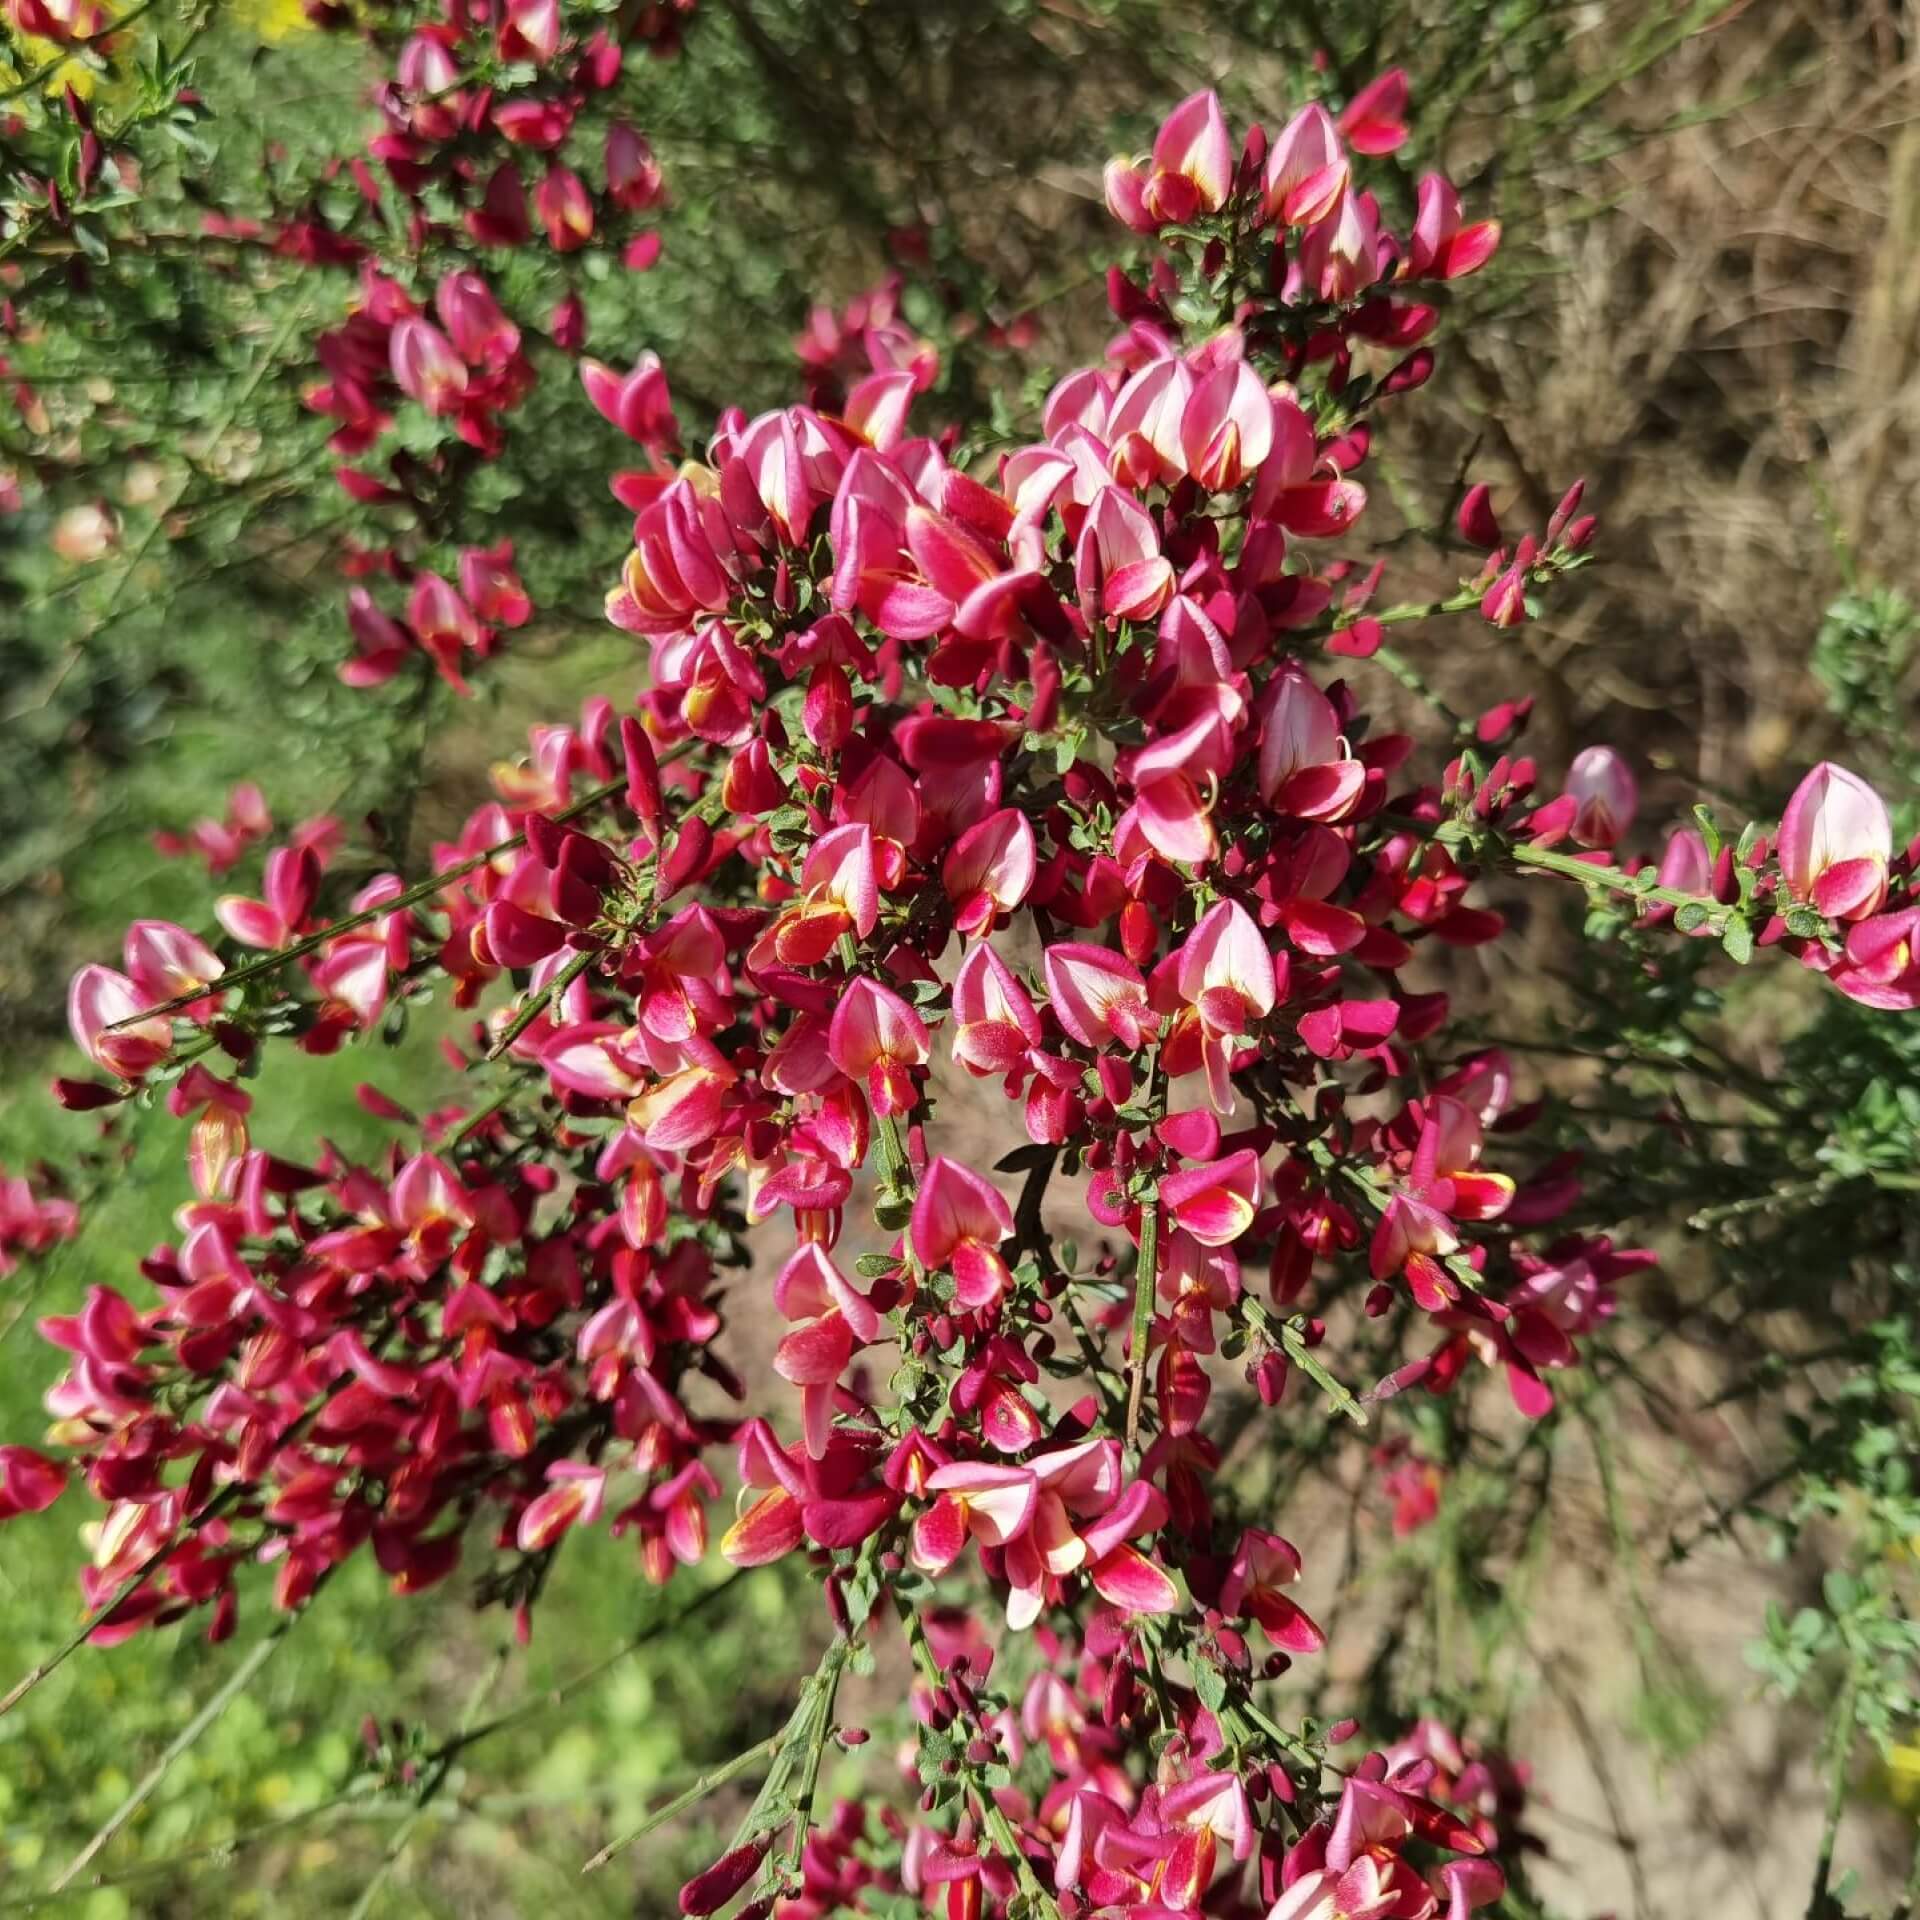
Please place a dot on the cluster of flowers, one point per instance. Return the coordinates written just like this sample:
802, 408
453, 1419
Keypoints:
1828, 887
1032, 781
476, 90
471, 97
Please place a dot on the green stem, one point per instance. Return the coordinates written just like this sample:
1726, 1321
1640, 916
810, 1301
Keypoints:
1293, 1341
1410, 677
1815, 1189
134, 1582
559, 1695
1840, 1738
535, 1004
1146, 1274
1613, 879
826, 1688
235, 1684
73, 49
431, 1785
768, 1749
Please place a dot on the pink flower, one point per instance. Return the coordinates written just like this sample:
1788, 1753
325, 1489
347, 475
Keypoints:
1192, 159
1299, 490
1440, 248
1216, 1201
481, 334
989, 870
877, 1040
1880, 966
1835, 842
1305, 768
684, 1109
1226, 976
560, 201
839, 895
530, 31
633, 174
1226, 428
165, 961
638, 403
1374, 120
1263, 1564
1118, 567
1359, 1893
1145, 429
1607, 796
1099, 997
492, 588
995, 1023
1306, 171
29, 1481
959, 1221
1191, 171
425, 365
835, 1317
100, 999
574, 1497
1444, 1184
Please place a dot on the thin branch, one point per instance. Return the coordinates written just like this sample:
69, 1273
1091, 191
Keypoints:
999, 1828
134, 1582
236, 1684
1840, 1740
1616, 881
768, 1749
431, 1785
408, 897
1145, 1276
363, 1801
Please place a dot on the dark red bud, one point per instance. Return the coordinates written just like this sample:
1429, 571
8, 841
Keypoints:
544, 838
689, 856
643, 772
710, 1891
1476, 521
83, 1096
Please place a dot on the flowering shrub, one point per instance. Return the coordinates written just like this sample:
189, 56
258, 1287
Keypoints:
1041, 781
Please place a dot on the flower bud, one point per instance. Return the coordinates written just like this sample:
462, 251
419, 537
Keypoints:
708, 1892
827, 714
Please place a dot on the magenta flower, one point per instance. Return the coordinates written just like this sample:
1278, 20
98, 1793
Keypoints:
959, 1221
1835, 842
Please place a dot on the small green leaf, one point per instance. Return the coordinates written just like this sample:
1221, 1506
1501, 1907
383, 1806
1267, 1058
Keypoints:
1709, 832
1737, 942
1691, 917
